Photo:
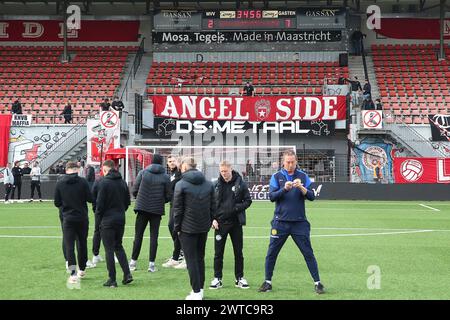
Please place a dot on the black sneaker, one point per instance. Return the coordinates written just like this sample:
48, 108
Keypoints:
127, 279
265, 287
319, 288
216, 283
110, 283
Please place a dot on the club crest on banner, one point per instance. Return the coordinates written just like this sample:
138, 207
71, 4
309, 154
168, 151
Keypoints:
262, 109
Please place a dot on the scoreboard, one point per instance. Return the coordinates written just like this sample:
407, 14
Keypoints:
249, 19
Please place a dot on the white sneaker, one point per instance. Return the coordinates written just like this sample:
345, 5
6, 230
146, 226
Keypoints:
152, 267
216, 283
201, 293
8, 202
90, 264
81, 274
181, 265
195, 296
170, 263
73, 279
133, 265
242, 283
97, 259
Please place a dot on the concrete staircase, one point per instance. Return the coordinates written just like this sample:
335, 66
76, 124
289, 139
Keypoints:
356, 68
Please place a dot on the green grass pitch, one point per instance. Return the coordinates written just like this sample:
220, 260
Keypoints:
408, 242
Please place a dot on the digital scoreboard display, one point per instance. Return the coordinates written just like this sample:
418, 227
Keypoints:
249, 19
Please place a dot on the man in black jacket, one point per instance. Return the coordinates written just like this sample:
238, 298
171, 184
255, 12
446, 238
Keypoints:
175, 176
117, 105
67, 113
232, 199
193, 209
18, 174
71, 197
90, 175
105, 105
152, 192
113, 200
16, 107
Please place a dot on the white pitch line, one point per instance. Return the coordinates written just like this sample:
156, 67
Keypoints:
428, 207
248, 237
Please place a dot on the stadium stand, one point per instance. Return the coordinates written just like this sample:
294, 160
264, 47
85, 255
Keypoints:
44, 84
216, 78
412, 81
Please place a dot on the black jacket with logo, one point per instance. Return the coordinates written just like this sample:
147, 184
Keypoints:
112, 199
232, 199
72, 193
17, 173
194, 203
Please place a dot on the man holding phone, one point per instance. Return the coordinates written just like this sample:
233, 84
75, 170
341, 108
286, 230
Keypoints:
289, 188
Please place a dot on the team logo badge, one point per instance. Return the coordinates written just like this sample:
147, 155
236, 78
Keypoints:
218, 237
262, 109
274, 232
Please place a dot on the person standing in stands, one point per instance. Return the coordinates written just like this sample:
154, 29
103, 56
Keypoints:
105, 105
378, 105
248, 89
232, 199
356, 90
289, 188
35, 181
71, 197
67, 113
112, 202
367, 90
152, 192
194, 207
118, 106
16, 107
8, 181
18, 174
175, 176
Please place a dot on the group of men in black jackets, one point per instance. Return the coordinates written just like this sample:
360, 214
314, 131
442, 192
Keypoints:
196, 206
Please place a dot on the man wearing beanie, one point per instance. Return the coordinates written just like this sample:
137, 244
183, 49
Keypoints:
152, 191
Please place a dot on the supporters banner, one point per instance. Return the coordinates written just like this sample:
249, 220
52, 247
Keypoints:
440, 127
21, 120
52, 30
422, 170
5, 124
102, 137
165, 128
400, 28
259, 109
372, 161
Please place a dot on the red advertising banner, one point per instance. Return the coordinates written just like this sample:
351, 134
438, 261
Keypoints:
5, 124
413, 28
52, 30
260, 108
422, 170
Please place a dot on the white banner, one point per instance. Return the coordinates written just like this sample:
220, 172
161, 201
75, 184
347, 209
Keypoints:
103, 134
21, 120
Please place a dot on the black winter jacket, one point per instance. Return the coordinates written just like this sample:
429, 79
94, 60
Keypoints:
17, 173
175, 176
112, 199
72, 193
193, 203
152, 190
232, 199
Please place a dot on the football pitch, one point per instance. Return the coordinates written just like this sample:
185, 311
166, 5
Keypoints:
364, 249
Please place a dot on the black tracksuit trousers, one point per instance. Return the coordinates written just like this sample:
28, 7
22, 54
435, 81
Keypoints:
220, 237
175, 238
142, 219
194, 245
73, 231
112, 241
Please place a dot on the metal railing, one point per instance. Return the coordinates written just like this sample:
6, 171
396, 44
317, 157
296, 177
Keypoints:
63, 146
413, 140
132, 74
